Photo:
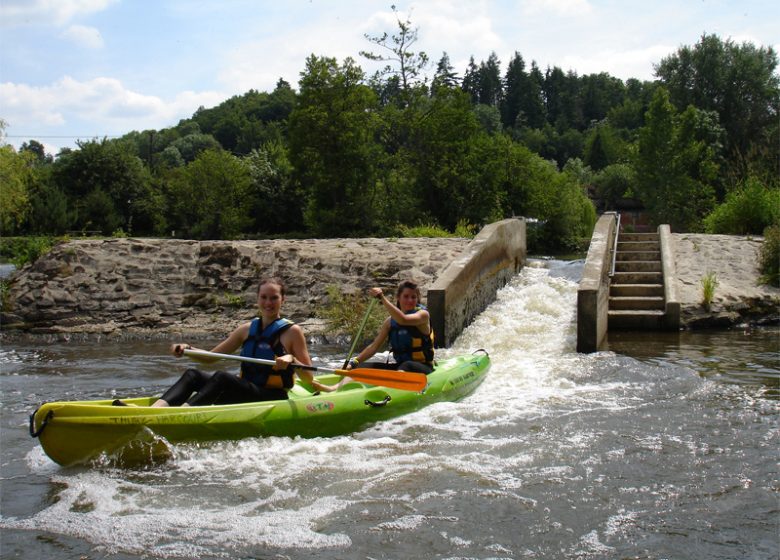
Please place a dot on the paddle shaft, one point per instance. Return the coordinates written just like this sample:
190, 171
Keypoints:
360, 331
406, 380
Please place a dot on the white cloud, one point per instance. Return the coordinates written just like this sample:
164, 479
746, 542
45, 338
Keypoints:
99, 107
57, 12
623, 64
568, 8
84, 36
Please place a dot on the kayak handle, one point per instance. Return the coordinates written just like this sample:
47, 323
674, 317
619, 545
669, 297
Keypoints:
375, 404
35, 433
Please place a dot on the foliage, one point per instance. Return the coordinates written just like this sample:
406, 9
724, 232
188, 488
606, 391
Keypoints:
333, 147
22, 250
403, 63
613, 183
738, 82
673, 166
15, 177
272, 190
770, 256
106, 186
708, 284
747, 210
345, 313
463, 229
208, 197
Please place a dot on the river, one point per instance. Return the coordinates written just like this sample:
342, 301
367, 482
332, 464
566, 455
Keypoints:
664, 446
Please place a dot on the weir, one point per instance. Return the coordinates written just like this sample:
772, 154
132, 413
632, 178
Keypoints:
469, 284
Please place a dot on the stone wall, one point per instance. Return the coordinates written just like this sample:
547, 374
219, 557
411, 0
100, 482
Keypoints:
153, 286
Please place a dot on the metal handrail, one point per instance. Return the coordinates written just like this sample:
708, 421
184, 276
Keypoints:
614, 246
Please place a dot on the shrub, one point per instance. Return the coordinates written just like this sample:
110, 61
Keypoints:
747, 210
22, 250
769, 256
708, 285
345, 312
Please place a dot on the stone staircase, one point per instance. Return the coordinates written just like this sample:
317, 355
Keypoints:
636, 290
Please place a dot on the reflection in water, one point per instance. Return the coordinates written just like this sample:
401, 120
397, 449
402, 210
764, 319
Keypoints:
750, 356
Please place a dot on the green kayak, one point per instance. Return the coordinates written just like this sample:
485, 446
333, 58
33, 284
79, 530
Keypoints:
74, 432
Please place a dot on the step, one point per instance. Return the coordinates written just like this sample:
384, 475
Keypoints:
642, 290
638, 245
638, 266
626, 303
638, 237
635, 320
630, 277
638, 256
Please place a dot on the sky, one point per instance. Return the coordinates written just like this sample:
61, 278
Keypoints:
85, 69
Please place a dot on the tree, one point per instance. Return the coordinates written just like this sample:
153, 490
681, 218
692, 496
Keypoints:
110, 168
445, 75
209, 197
523, 104
471, 81
272, 190
403, 62
739, 83
491, 90
673, 167
333, 146
15, 177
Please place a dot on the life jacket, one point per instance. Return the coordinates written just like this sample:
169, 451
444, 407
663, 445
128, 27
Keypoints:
265, 344
409, 343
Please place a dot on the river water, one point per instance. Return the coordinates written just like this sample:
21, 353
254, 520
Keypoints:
665, 446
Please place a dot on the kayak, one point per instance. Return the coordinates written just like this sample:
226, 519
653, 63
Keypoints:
76, 432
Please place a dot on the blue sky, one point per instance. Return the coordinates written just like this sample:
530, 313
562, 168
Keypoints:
73, 69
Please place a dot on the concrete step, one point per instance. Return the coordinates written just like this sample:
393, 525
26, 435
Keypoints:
638, 245
627, 303
652, 319
638, 266
641, 290
638, 256
638, 237
631, 277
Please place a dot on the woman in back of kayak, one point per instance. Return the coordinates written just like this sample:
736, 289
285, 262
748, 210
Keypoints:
268, 337
408, 328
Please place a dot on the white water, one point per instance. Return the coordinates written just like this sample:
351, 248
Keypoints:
556, 455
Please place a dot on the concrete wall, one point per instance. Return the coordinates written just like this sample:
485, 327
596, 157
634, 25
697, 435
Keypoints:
593, 291
469, 284
671, 300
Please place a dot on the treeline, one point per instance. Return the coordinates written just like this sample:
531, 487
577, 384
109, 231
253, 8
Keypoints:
356, 155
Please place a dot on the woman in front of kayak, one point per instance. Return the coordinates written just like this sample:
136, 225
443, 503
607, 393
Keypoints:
268, 337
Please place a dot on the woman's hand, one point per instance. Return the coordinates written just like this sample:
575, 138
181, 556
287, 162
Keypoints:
283, 362
178, 349
375, 293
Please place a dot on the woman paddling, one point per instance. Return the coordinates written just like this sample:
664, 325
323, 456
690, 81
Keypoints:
409, 329
269, 337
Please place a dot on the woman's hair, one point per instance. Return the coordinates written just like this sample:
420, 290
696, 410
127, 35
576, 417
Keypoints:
273, 280
408, 284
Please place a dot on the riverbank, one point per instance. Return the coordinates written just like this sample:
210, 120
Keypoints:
739, 297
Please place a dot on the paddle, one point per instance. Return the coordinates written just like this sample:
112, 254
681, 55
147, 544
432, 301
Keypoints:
360, 331
406, 380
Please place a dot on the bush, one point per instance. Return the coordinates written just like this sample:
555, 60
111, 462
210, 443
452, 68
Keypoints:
462, 229
22, 250
769, 256
747, 210
345, 312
